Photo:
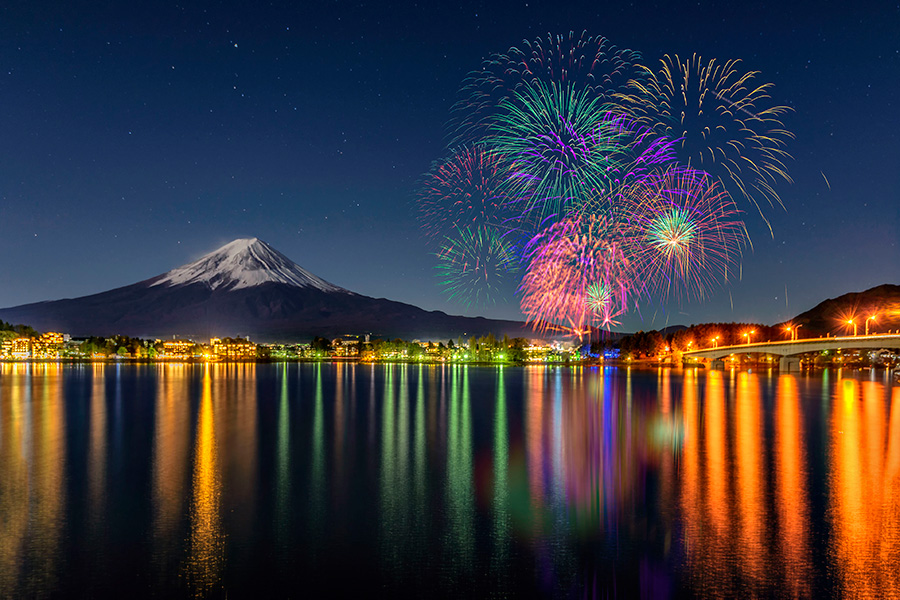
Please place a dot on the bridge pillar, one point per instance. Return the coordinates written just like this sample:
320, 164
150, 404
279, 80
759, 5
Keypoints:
788, 363
718, 364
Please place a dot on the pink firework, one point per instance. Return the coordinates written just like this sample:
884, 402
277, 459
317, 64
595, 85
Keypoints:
462, 192
566, 263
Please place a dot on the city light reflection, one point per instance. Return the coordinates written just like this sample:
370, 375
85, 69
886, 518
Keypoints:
207, 542
864, 505
171, 459
791, 500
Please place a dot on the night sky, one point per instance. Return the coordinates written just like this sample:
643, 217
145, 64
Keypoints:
138, 137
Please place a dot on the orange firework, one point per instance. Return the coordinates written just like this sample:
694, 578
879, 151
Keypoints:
724, 118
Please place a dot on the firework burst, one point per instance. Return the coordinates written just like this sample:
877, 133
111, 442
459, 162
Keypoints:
587, 62
599, 297
725, 120
476, 265
683, 232
577, 274
558, 147
462, 192
609, 181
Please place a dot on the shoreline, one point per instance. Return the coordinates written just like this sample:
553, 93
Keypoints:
641, 364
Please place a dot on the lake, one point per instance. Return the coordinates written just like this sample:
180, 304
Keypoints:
289, 480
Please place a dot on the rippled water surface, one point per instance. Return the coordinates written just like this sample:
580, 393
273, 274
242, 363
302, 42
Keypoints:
449, 481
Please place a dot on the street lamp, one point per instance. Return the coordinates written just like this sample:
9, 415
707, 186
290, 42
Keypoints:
872, 318
851, 322
797, 331
715, 341
749, 336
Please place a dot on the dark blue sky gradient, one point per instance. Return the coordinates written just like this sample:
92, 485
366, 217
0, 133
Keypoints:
135, 139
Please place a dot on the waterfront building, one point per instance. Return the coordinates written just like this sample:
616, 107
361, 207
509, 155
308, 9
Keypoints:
233, 348
178, 349
16, 348
49, 345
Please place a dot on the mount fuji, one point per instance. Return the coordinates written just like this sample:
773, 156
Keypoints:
246, 288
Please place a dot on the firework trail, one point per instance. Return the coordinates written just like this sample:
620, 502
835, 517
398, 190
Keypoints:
725, 120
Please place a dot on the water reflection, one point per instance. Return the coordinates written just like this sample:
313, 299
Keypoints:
97, 451
865, 499
235, 395
390, 503
420, 477
535, 445
283, 464
716, 559
32, 490
501, 532
474, 481
207, 542
171, 462
752, 548
14, 485
460, 500
317, 492
791, 500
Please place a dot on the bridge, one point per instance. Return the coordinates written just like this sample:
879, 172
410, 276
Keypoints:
789, 351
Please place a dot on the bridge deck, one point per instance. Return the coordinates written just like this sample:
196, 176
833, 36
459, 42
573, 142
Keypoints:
790, 348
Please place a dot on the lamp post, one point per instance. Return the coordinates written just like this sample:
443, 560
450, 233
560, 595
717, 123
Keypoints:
852, 322
797, 331
715, 342
749, 336
872, 318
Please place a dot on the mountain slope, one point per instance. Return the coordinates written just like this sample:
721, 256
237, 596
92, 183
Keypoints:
246, 288
831, 316
244, 263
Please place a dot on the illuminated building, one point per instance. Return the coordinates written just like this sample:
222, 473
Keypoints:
233, 349
348, 346
178, 349
17, 349
537, 352
48, 345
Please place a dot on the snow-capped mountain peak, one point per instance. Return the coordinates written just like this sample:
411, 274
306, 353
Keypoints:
244, 263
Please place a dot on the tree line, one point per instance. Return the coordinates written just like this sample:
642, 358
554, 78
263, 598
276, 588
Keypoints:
645, 344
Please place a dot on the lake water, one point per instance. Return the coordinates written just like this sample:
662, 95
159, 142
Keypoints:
309, 480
